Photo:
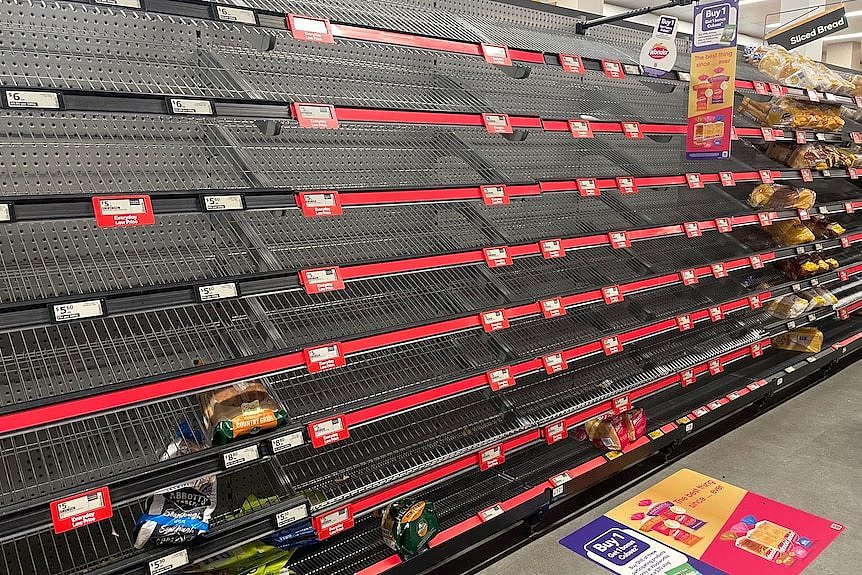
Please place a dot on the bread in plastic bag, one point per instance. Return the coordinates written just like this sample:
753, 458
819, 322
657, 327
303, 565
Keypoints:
782, 197
790, 232
616, 432
809, 339
244, 408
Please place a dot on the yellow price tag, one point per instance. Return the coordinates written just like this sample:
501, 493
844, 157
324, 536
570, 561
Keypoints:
611, 455
655, 434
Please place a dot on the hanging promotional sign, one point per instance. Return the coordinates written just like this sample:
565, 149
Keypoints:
809, 29
713, 74
658, 55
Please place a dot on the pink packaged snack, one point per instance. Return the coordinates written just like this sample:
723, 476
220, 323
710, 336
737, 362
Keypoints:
670, 511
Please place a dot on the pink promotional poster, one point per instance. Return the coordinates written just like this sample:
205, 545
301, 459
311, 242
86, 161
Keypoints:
692, 524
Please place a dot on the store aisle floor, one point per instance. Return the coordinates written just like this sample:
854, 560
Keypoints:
805, 453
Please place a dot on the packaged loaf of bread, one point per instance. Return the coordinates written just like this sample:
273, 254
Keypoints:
790, 232
787, 306
616, 432
823, 229
788, 112
243, 408
807, 338
781, 197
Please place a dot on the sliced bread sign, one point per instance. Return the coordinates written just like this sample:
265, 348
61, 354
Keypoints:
658, 55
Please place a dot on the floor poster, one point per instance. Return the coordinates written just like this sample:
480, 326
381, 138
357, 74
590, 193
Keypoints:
692, 524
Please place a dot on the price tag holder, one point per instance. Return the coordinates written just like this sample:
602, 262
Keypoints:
715, 366
321, 280
856, 137
849, 208
230, 14
214, 292
497, 123
500, 379
33, 99
627, 185
319, 204
756, 262
761, 88
806, 174
81, 509
803, 214
490, 513
768, 134
123, 211
63, 312
223, 203
572, 64
684, 323
619, 240
727, 179
612, 345
497, 257
587, 187
621, 404
756, 350
168, 563
287, 441
687, 377
692, 229
7, 213
191, 106
853, 173
632, 130
830, 96
554, 363
695, 182
723, 225
716, 313
613, 69
718, 270
495, 195
764, 218
801, 137
754, 301
310, 29
327, 431
561, 479
556, 432
491, 457
776, 89
688, 277
333, 522
324, 357
494, 320
845, 242
551, 249
240, 456
612, 294
134, 4
316, 116
580, 129
813, 96
552, 308
765, 176
826, 173
496, 54
291, 516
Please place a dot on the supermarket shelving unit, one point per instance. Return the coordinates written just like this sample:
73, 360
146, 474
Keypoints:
480, 287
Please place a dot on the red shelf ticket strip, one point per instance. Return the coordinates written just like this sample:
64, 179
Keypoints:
113, 400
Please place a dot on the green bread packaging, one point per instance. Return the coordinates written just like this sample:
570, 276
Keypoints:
408, 526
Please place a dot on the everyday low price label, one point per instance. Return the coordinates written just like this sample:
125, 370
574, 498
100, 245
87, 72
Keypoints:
716, 313
169, 562
587, 187
754, 302
81, 509
496, 54
756, 262
333, 522
491, 457
632, 130
552, 308
321, 280
776, 89
78, 310
554, 363
727, 179
801, 137
613, 69
310, 29
123, 211
497, 123
621, 404
768, 134
694, 181
500, 379
723, 225
627, 185
556, 432
612, 345
715, 366
688, 277
692, 229
495, 195
239, 457
765, 175
551, 249
325, 357
806, 174
320, 204
612, 294
764, 218
317, 116
687, 377
756, 350
572, 64
497, 257
580, 129
619, 240
494, 320
718, 271
761, 88
327, 431
684, 323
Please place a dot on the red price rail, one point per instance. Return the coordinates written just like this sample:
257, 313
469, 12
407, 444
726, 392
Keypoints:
114, 399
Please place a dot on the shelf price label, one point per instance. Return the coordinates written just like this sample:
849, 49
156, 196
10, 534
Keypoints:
842, 275
765, 176
612, 345
560, 480
552, 308
621, 404
687, 377
688, 277
223, 203
494, 320
217, 291
716, 313
491, 512
496, 195
613, 69
497, 257
619, 240
684, 323
845, 242
556, 432
497, 123
491, 457
333, 522
632, 130
723, 225
754, 301
768, 135
500, 379
78, 310
692, 229
806, 175
321, 280
764, 219
81, 509
32, 99
287, 441
319, 204
776, 89
310, 29
170, 562
801, 137
324, 357
580, 129
803, 214
291, 516
123, 211
241, 456
813, 96
849, 207
761, 88
756, 262
572, 64
191, 106
328, 431
496, 54
552, 249
756, 350
230, 14
6, 212
587, 187
694, 181
856, 137
612, 294
853, 173
317, 116
718, 271
715, 366
627, 185
843, 314
554, 363
727, 179
121, 3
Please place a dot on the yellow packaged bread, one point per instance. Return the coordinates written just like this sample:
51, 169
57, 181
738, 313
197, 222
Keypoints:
790, 232
781, 197
791, 113
807, 338
787, 306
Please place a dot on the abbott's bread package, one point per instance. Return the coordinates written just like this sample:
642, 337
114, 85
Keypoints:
796, 70
792, 113
808, 339
240, 409
615, 433
782, 197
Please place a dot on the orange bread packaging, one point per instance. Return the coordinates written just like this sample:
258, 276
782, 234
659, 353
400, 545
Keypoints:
616, 432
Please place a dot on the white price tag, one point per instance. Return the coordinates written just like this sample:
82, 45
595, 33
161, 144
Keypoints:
5, 213
831, 97
235, 15
191, 106
169, 562
78, 310
291, 516
561, 479
286, 442
490, 513
218, 291
811, 359
223, 203
29, 99
790, 369
80, 505
558, 490
240, 456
